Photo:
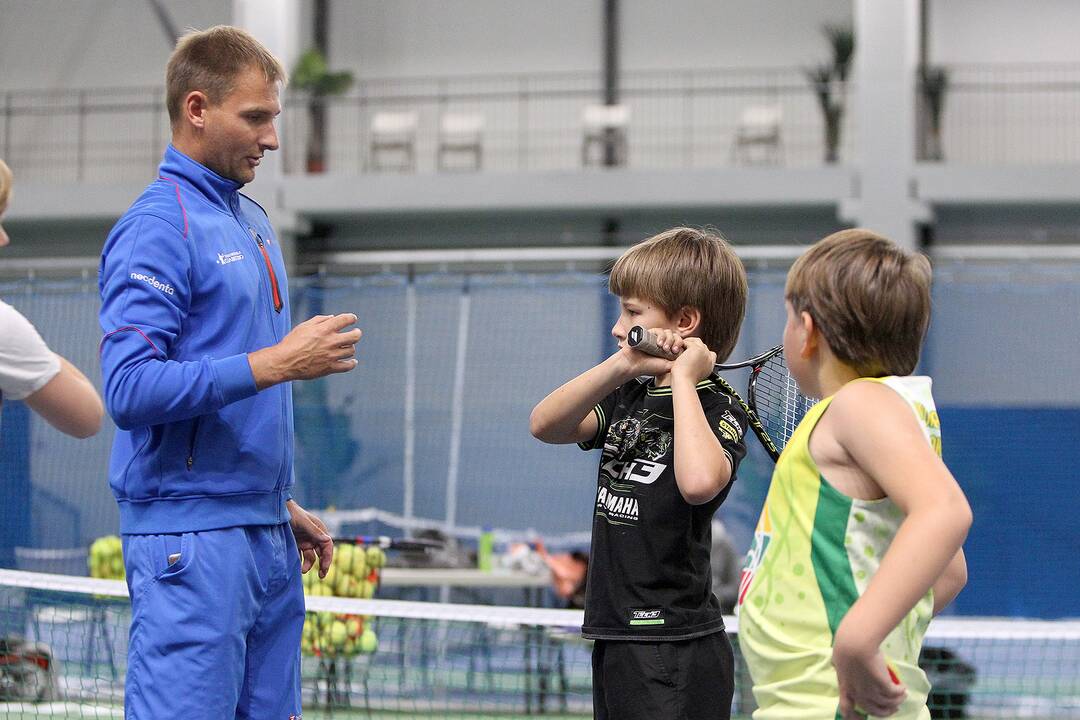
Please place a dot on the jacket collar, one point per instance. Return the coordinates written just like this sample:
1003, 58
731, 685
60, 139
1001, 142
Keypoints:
219, 191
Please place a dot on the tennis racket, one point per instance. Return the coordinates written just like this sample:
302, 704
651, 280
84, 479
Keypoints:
389, 543
773, 401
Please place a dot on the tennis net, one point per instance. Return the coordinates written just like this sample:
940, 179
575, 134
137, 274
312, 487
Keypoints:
63, 646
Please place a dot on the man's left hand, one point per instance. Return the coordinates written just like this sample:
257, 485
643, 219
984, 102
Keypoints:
312, 539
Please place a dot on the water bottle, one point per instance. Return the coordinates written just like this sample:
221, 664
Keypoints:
485, 549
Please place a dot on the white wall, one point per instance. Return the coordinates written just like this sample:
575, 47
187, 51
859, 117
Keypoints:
52, 44
418, 37
61, 44
728, 33
1004, 31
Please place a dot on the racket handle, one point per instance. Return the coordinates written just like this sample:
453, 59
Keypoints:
641, 339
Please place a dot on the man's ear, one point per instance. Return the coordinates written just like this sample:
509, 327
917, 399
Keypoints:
195, 105
689, 320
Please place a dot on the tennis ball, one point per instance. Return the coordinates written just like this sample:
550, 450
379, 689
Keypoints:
355, 626
369, 643
339, 633
331, 576
376, 558
350, 648
98, 550
367, 589
345, 557
341, 587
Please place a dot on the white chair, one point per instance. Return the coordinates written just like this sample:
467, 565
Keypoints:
394, 134
461, 133
604, 125
758, 127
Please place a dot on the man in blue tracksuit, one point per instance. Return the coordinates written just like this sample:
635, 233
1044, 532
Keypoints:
197, 356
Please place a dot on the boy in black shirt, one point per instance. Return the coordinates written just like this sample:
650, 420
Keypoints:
670, 450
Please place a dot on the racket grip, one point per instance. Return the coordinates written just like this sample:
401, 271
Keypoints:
641, 339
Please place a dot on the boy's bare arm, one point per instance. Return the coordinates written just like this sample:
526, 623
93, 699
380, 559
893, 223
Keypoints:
702, 468
879, 432
565, 416
69, 402
950, 583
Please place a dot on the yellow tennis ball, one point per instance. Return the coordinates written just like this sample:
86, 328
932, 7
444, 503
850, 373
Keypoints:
369, 643
339, 633
341, 587
342, 557
376, 558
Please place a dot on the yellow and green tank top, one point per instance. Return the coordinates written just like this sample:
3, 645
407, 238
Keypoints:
813, 555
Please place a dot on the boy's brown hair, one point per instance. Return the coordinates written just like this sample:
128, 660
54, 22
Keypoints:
686, 267
210, 61
868, 297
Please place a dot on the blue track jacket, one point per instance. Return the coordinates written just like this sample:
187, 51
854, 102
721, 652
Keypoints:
192, 280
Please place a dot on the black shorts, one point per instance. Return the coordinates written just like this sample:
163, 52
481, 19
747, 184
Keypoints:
678, 680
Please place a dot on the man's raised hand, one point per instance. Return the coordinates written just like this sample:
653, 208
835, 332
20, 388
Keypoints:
315, 348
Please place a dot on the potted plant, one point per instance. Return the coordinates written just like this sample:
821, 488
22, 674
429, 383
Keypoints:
829, 81
933, 83
313, 77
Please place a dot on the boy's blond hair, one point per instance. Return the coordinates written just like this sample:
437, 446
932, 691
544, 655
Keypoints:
868, 297
6, 180
686, 267
210, 61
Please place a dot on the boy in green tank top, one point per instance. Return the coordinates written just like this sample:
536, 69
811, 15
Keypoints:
859, 542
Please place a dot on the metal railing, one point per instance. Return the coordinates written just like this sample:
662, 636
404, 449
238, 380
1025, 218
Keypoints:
997, 114
678, 119
988, 115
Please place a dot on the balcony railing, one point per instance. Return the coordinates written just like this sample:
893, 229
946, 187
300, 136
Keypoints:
1003, 115
990, 115
677, 119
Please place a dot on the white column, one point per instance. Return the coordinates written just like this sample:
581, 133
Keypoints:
277, 25
886, 57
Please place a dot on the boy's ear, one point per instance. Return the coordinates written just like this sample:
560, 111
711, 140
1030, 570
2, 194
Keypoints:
689, 320
810, 336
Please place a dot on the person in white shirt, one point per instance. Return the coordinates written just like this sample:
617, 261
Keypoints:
49, 384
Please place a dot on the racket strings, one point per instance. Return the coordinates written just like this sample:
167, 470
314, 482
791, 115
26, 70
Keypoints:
779, 404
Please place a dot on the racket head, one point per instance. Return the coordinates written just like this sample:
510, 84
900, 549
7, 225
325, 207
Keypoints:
774, 397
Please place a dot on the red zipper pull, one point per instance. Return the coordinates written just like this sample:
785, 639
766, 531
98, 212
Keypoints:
278, 303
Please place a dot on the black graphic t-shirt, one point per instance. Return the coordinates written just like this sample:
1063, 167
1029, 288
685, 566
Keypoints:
649, 570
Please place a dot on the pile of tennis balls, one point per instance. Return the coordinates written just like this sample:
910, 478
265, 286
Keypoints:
353, 573
106, 559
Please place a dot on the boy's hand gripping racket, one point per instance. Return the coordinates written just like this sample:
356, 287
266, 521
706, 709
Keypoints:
773, 401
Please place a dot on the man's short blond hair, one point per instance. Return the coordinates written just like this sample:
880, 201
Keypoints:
869, 298
687, 267
6, 179
210, 61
